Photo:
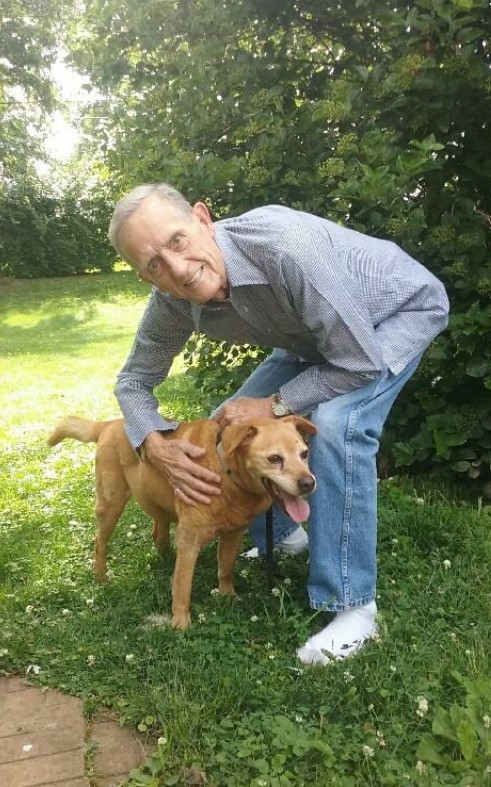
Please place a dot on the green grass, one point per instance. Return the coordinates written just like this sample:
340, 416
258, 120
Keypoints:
227, 696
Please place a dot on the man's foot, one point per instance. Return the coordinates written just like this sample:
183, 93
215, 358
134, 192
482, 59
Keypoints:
294, 544
343, 637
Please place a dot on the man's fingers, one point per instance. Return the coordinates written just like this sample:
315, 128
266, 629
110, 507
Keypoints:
192, 450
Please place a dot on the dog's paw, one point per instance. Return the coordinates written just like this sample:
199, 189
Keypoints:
181, 620
227, 589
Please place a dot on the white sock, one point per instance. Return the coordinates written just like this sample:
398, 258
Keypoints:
343, 637
294, 544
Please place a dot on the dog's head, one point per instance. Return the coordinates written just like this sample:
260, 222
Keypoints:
272, 454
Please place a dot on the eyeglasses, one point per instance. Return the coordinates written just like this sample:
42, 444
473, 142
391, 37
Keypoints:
179, 243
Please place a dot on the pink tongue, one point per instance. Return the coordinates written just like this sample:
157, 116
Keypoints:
296, 508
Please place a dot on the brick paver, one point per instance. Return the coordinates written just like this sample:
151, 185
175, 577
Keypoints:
43, 740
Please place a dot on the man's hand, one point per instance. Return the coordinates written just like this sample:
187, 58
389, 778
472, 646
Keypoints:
175, 459
244, 409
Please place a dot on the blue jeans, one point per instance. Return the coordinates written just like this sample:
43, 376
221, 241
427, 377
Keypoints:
343, 510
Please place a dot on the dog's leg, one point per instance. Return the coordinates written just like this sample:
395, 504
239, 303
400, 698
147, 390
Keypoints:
228, 549
188, 545
107, 515
160, 532
112, 494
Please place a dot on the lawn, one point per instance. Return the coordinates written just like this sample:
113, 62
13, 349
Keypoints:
225, 701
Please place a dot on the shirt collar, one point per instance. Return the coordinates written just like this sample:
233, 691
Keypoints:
239, 268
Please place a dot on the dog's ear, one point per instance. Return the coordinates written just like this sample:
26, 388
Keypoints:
237, 434
303, 425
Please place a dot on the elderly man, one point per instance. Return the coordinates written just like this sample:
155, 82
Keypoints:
347, 317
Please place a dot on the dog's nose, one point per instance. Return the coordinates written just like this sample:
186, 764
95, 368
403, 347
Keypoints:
306, 484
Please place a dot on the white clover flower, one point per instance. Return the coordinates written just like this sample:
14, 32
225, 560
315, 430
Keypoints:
420, 501
446, 564
275, 592
380, 738
201, 617
422, 706
287, 582
268, 645
486, 721
368, 751
89, 602
467, 652
161, 741
29, 609
90, 660
298, 718
254, 618
65, 612
214, 592
453, 636
4, 651
371, 706
244, 573
420, 768
133, 526
130, 657
393, 668
271, 656
130, 534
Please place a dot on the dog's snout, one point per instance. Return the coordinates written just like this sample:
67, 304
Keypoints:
306, 484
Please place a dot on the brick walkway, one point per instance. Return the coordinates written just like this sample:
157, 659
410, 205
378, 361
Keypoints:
44, 739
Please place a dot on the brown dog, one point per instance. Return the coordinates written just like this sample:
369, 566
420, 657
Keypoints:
259, 462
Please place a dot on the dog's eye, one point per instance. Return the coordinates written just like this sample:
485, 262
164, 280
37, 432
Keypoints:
304, 454
275, 459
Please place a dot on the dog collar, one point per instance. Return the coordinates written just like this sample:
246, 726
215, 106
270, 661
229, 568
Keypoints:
225, 468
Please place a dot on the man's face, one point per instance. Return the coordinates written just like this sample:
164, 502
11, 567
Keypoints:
175, 252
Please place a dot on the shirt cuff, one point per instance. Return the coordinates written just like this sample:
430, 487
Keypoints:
153, 422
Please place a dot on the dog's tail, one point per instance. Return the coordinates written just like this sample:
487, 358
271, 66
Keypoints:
77, 428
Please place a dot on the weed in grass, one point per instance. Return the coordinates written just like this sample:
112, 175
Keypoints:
227, 696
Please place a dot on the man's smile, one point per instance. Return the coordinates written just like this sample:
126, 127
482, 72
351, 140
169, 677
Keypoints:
195, 278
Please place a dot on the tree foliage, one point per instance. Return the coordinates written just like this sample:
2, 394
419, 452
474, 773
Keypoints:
374, 113
29, 33
47, 228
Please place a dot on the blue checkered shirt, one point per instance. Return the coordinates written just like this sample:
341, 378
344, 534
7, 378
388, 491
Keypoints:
347, 304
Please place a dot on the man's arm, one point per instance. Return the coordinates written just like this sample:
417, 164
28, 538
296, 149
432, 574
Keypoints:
161, 335
331, 306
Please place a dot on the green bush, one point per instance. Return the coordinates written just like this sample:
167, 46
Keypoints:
42, 235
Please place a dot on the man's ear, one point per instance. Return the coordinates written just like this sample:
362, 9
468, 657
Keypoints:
201, 212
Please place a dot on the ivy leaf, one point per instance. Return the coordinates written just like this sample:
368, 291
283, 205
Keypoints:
429, 750
477, 369
467, 739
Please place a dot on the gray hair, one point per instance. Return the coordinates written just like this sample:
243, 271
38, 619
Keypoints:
130, 203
